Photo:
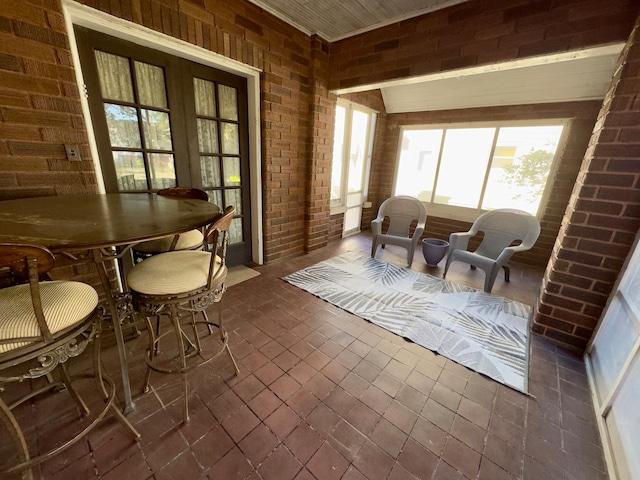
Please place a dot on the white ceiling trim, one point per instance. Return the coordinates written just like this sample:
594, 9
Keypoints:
607, 50
571, 76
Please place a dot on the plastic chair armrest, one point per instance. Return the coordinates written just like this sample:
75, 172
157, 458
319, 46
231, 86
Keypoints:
376, 225
459, 241
507, 253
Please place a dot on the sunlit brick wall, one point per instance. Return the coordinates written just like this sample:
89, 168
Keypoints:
603, 214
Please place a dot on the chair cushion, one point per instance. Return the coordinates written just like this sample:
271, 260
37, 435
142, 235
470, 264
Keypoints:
174, 273
186, 241
64, 304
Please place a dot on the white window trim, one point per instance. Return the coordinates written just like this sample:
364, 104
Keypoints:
471, 214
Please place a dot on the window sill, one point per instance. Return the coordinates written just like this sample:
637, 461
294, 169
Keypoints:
338, 209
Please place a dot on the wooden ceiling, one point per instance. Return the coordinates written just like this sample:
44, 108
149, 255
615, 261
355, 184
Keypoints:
337, 19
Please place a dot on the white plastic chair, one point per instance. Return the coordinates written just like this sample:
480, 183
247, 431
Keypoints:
501, 228
402, 212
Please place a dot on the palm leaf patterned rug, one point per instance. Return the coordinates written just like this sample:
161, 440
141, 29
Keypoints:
486, 333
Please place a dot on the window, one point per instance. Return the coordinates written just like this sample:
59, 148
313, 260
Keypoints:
351, 159
460, 170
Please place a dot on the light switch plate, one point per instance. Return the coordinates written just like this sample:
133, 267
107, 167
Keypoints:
73, 152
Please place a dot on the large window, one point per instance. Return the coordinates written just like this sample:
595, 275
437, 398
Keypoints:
460, 170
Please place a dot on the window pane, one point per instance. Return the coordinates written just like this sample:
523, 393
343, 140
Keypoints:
231, 167
130, 171
204, 92
357, 151
338, 147
210, 172
157, 131
123, 126
208, 136
150, 82
115, 77
234, 197
419, 150
520, 167
230, 139
463, 166
162, 170
228, 102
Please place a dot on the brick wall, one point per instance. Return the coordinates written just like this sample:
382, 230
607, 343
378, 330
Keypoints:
582, 115
39, 106
475, 33
603, 214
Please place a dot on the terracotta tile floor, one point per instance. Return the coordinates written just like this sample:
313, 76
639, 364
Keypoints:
323, 394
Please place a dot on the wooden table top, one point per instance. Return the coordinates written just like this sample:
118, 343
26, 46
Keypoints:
78, 222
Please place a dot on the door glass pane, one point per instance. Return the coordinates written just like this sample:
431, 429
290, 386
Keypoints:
162, 170
228, 102
210, 172
130, 171
623, 422
464, 162
357, 151
157, 131
234, 197
115, 77
352, 219
215, 197
205, 97
235, 231
230, 139
231, 172
123, 126
520, 167
338, 151
616, 338
207, 136
419, 150
150, 82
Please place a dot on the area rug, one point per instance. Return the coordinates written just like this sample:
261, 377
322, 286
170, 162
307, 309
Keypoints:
486, 333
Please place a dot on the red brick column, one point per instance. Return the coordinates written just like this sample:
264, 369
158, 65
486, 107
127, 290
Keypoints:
319, 148
603, 215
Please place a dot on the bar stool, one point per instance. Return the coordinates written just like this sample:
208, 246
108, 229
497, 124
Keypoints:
177, 285
44, 324
191, 240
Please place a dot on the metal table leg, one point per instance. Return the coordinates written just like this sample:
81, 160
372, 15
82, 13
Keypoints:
100, 259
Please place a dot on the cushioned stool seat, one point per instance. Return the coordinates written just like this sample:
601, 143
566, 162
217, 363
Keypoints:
190, 240
173, 273
64, 304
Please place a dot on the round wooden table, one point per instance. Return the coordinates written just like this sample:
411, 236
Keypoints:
96, 223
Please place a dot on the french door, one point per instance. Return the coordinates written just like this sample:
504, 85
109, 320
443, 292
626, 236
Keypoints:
613, 361
354, 127
162, 121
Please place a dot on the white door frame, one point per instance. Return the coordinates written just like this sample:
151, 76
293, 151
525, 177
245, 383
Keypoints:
77, 14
